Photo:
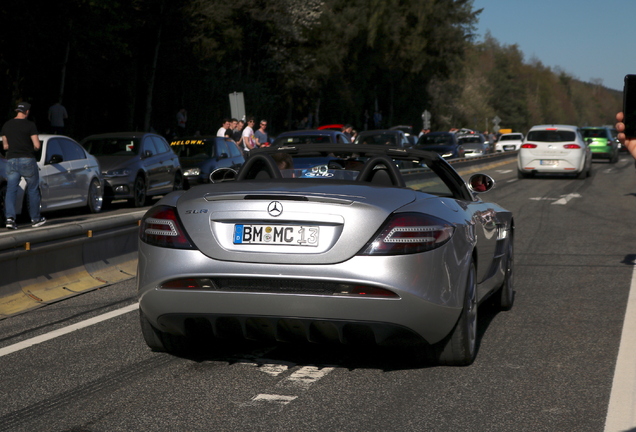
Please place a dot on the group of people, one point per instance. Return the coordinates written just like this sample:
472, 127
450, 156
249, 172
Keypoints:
243, 133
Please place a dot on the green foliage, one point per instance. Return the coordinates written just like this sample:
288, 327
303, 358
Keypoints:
331, 58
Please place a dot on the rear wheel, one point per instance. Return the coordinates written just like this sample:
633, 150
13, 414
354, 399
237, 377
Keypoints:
505, 297
95, 197
523, 175
460, 348
162, 341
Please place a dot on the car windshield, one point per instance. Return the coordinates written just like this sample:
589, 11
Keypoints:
303, 139
470, 140
594, 133
377, 139
193, 148
435, 140
112, 146
510, 138
551, 135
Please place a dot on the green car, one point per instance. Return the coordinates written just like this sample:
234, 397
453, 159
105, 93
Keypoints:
601, 142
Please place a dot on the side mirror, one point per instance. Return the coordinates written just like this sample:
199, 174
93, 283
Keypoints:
222, 156
55, 159
479, 183
147, 154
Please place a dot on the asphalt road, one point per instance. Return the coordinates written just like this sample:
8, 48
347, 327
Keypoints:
545, 365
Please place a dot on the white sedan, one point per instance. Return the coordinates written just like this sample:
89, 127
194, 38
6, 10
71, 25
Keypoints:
554, 149
509, 142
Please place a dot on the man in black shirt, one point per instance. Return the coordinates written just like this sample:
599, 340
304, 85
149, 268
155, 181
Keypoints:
20, 141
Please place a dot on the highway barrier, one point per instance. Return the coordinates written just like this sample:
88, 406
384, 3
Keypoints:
45, 265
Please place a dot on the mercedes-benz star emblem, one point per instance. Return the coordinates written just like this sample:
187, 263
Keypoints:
275, 209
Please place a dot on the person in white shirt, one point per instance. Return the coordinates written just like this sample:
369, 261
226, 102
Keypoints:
249, 142
223, 129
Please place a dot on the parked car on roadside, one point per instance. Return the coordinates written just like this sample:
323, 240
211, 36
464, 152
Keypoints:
135, 165
601, 142
69, 177
443, 143
509, 142
388, 137
311, 136
200, 156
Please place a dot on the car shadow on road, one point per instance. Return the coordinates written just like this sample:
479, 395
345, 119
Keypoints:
359, 356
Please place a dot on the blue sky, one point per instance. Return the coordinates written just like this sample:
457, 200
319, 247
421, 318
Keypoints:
588, 39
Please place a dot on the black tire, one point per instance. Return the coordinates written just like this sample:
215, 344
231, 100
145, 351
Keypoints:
583, 174
614, 158
178, 182
151, 335
505, 297
139, 193
161, 341
460, 347
522, 175
95, 197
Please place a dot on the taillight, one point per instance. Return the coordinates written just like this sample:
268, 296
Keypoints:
529, 146
409, 233
572, 146
161, 227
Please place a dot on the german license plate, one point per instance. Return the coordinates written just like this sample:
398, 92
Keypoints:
549, 162
290, 235
508, 147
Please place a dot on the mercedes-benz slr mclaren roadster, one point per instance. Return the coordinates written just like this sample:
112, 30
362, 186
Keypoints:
364, 244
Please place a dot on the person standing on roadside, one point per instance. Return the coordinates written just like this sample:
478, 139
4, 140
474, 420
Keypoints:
57, 115
261, 135
20, 141
249, 142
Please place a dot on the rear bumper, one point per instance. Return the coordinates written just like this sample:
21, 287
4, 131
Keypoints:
427, 307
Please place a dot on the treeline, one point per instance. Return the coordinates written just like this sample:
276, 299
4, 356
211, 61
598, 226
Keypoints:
132, 64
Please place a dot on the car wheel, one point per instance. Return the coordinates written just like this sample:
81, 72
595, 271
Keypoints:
523, 175
505, 297
178, 182
162, 341
139, 192
583, 174
95, 197
460, 348
614, 158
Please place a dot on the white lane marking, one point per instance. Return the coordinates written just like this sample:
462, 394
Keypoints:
307, 375
621, 413
566, 198
269, 369
60, 332
279, 399
503, 171
559, 201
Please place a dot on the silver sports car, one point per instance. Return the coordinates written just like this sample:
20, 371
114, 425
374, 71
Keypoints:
366, 244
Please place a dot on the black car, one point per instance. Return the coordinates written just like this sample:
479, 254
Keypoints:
200, 156
311, 136
135, 165
388, 137
443, 143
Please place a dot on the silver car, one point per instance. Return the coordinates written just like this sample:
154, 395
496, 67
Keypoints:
69, 177
349, 250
